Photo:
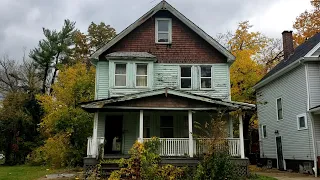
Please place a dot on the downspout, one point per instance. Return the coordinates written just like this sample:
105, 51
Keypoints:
314, 146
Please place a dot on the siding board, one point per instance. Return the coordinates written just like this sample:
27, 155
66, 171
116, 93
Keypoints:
314, 84
293, 91
167, 75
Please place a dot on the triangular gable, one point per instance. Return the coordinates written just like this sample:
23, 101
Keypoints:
166, 91
163, 5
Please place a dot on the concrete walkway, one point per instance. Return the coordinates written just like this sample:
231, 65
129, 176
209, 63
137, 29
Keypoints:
287, 175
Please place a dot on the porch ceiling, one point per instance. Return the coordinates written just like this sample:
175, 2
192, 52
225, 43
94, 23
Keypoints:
165, 99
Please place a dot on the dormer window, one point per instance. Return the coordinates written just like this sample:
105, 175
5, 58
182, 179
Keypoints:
163, 30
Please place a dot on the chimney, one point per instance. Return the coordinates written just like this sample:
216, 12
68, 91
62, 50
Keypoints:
287, 44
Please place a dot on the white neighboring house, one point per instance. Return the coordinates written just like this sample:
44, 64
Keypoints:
289, 107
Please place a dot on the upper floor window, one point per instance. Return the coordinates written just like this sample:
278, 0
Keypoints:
279, 109
142, 75
185, 77
120, 75
206, 77
163, 30
302, 121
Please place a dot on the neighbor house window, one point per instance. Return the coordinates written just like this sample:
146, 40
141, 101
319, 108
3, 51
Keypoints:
264, 131
166, 126
205, 78
146, 126
302, 121
279, 109
120, 75
163, 30
142, 75
185, 77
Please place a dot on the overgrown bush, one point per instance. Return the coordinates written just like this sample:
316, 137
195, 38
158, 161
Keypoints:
144, 164
55, 152
216, 166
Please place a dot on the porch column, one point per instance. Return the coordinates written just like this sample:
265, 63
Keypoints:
94, 150
241, 136
190, 133
141, 126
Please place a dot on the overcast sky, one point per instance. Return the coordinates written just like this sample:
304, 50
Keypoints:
21, 21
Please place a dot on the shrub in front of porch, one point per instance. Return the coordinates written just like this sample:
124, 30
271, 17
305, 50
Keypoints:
216, 163
144, 164
216, 166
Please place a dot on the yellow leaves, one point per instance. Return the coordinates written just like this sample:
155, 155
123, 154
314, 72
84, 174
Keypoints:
245, 72
307, 24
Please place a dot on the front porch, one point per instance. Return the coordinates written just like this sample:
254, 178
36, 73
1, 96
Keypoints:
165, 113
117, 132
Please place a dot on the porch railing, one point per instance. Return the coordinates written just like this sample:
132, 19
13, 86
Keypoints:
93, 147
180, 146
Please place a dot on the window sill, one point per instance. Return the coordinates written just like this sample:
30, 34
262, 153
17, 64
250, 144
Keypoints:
302, 129
168, 43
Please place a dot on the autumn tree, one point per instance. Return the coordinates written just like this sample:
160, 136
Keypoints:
307, 23
65, 125
97, 35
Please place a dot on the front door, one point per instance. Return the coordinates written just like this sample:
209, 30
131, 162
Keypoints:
279, 153
113, 135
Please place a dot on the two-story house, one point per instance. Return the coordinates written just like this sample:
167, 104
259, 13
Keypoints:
288, 102
156, 78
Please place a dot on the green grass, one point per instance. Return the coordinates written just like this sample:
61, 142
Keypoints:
24, 172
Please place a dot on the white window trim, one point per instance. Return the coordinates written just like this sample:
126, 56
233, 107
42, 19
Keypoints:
200, 77
135, 75
277, 108
114, 76
185, 77
169, 31
262, 131
305, 121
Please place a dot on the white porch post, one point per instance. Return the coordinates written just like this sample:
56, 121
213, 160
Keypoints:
141, 126
190, 133
94, 151
241, 136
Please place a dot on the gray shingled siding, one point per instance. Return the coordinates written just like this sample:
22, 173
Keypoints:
293, 91
314, 83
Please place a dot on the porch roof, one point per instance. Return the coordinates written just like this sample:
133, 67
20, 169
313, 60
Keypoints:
208, 103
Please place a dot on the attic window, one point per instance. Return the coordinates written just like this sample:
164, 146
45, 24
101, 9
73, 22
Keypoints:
163, 30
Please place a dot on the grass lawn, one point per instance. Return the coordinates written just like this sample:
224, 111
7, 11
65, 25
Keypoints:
23, 172
260, 177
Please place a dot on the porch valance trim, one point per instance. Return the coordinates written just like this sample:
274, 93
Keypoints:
103, 103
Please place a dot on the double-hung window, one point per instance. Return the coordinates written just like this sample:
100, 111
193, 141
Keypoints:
163, 30
120, 75
166, 126
302, 121
206, 78
185, 77
141, 75
279, 109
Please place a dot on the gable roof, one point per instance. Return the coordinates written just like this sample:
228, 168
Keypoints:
97, 104
163, 5
301, 51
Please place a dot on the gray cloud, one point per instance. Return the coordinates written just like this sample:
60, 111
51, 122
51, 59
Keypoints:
21, 22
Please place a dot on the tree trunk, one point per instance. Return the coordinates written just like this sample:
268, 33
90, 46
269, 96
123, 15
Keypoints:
45, 79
